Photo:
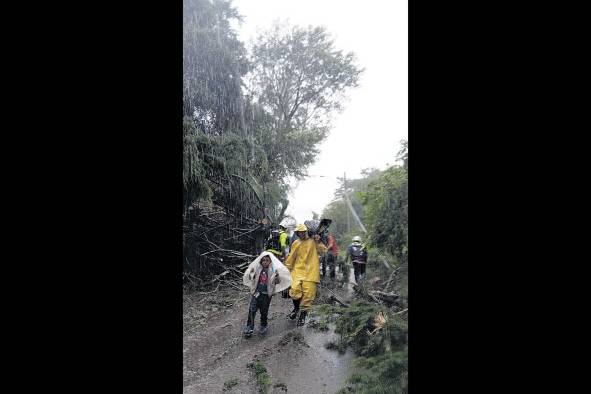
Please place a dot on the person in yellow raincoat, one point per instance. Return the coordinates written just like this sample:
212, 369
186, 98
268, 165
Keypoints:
304, 266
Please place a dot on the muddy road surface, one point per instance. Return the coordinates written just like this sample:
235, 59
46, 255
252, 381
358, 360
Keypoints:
216, 355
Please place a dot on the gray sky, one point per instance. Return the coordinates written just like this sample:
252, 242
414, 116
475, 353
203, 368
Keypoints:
368, 132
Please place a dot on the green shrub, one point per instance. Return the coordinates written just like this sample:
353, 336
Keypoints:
381, 345
263, 379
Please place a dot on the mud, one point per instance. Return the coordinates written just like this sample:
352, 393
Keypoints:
214, 350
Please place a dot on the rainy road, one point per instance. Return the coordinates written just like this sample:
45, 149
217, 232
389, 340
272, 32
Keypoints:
215, 352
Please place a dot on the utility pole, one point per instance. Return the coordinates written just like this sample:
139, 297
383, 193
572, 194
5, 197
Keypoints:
345, 198
355, 215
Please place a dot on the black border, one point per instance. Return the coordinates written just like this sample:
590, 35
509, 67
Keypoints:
103, 198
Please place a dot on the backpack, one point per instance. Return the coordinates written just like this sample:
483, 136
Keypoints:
273, 241
358, 253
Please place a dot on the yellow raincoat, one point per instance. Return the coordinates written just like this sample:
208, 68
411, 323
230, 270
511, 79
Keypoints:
304, 266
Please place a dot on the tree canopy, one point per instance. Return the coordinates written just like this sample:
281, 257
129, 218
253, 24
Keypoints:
214, 62
299, 76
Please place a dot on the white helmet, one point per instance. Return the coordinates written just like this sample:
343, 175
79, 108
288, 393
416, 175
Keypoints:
357, 238
287, 222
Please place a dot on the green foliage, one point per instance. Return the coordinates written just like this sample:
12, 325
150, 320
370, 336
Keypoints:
299, 76
289, 152
324, 313
381, 347
403, 154
385, 373
381, 344
195, 183
214, 61
211, 159
338, 210
380, 199
386, 210
262, 377
360, 184
339, 346
359, 330
384, 196
357, 322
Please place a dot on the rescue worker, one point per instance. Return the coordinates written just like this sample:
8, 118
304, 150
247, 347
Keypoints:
304, 266
357, 253
333, 252
277, 242
293, 238
283, 239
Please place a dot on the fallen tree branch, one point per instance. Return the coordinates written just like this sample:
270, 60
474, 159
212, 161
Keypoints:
392, 277
333, 296
236, 270
387, 297
207, 292
233, 285
235, 252
220, 235
376, 299
219, 276
242, 234
256, 194
239, 299
191, 280
336, 299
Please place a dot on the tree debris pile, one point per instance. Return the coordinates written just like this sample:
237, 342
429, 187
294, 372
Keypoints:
224, 220
374, 325
226, 223
380, 340
391, 292
216, 240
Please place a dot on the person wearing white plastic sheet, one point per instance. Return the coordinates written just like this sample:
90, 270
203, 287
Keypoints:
357, 253
265, 276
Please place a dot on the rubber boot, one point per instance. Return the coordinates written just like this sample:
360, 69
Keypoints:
248, 330
302, 319
296, 308
285, 293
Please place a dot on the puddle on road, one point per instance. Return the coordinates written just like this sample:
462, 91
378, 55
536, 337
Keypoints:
312, 369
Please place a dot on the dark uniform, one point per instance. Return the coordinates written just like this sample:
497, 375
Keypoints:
358, 255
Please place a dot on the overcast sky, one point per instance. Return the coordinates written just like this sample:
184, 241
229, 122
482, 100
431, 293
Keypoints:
368, 132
